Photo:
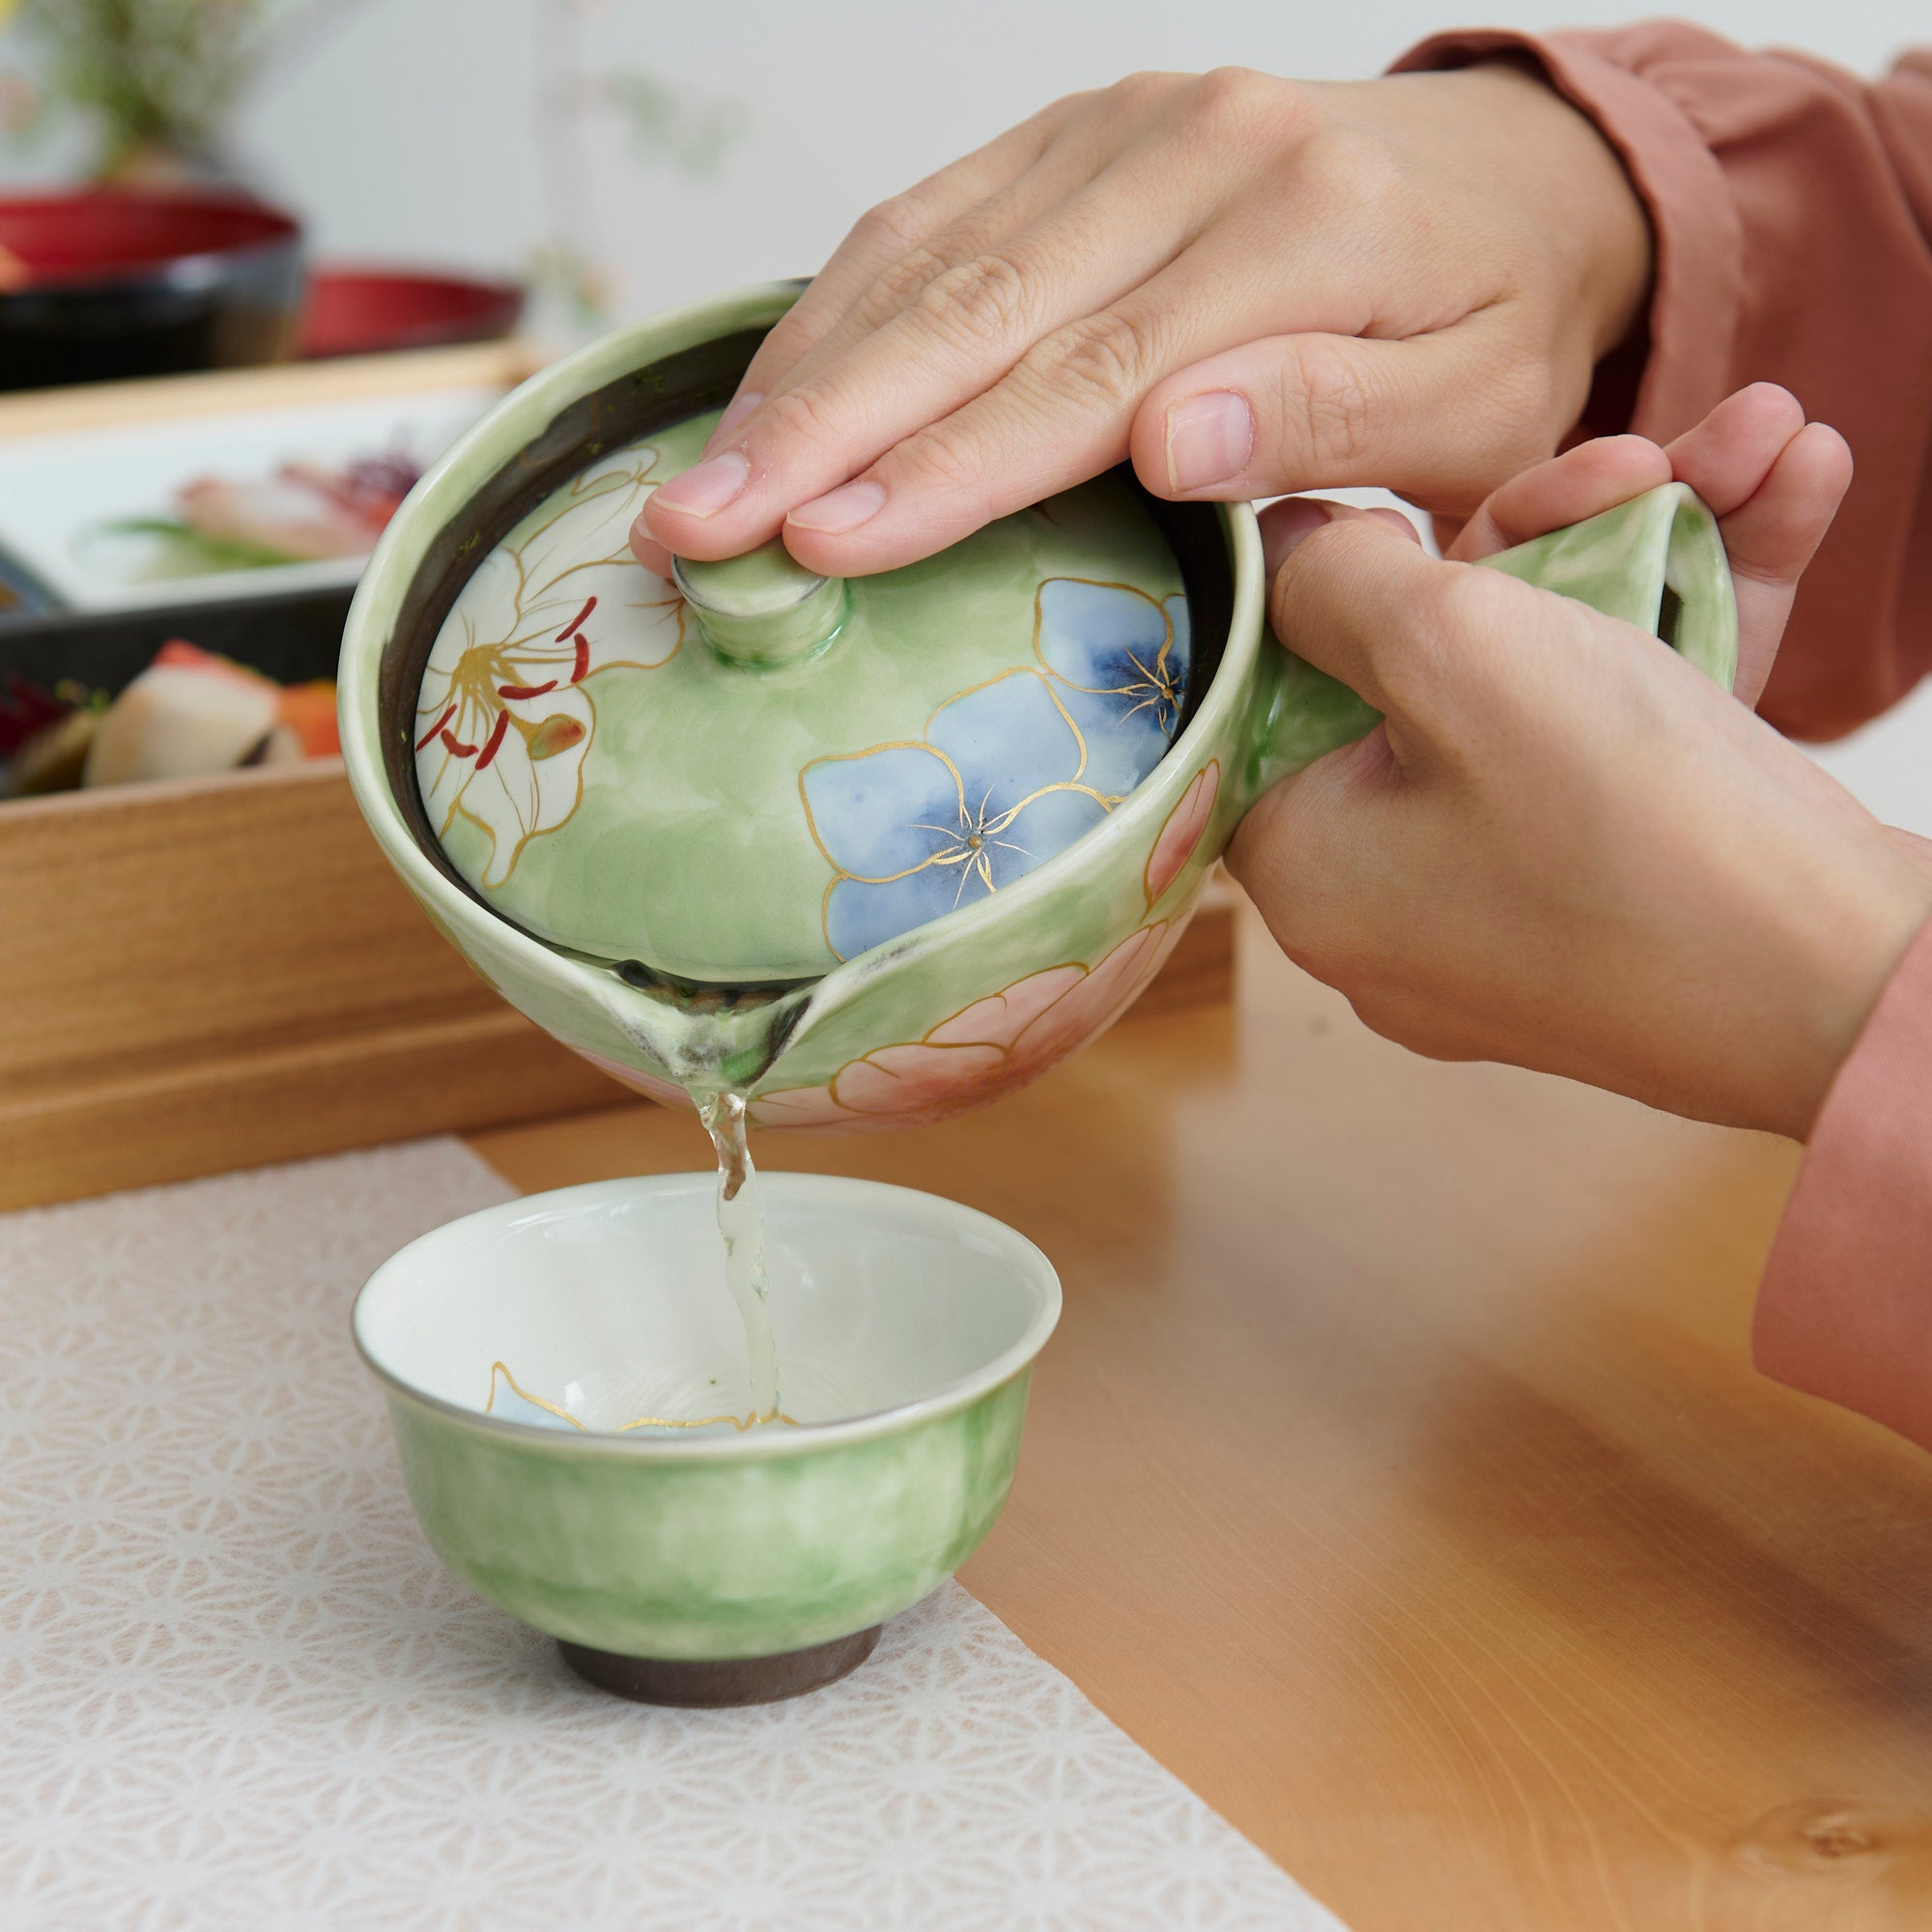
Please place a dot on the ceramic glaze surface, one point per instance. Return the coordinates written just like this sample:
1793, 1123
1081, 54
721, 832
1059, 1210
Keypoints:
613, 782
908, 1323
1035, 960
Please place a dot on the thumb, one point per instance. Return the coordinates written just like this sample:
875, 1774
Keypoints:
1353, 593
1432, 417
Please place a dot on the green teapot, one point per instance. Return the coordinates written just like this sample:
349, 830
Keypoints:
867, 853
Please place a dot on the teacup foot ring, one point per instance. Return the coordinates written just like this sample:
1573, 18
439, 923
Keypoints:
717, 1684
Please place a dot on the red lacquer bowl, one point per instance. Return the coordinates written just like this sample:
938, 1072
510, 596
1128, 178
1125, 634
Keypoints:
369, 311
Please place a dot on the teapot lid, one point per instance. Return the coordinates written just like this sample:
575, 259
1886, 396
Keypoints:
751, 773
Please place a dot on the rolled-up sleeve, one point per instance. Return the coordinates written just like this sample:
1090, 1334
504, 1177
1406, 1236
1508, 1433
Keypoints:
1791, 205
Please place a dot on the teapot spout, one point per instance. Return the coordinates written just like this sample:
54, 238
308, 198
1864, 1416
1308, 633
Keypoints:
707, 1040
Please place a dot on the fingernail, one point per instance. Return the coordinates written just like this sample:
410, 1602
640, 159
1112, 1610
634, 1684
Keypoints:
1287, 523
648, 551
742, 405
1209, 439
841, 509
704, 489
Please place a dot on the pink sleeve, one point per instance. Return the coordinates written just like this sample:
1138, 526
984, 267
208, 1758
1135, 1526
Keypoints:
1792, 210
1846, 1307
1791, 205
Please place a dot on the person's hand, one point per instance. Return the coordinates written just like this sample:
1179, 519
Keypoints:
1565, 847
1249, 284
1772, 480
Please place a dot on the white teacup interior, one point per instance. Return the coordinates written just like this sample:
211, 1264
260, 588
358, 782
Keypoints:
609, 1302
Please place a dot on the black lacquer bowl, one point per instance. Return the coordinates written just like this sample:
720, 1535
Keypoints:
102, 284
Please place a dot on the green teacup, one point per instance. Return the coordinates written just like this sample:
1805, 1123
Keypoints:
523, 1348
934, 1020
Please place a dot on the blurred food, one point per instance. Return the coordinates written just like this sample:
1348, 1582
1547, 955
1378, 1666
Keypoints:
307, 712
373, 311
102, 284
44, 735
53, 758
302, 513
180, 721
92, 507
190, 714
24, 709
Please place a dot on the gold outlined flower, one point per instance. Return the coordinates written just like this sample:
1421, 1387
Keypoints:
505, 719
912, 830
1119, 662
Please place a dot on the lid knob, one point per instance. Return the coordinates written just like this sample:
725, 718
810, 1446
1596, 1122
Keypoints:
764, 608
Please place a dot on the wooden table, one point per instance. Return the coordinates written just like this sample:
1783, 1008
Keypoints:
1399, 1479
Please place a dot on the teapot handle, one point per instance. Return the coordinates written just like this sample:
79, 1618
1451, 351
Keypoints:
1656, 562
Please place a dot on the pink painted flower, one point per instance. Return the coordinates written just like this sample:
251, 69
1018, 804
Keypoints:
1181, 833
989, 1048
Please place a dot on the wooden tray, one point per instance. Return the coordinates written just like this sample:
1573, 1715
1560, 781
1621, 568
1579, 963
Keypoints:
219, 972
224, 972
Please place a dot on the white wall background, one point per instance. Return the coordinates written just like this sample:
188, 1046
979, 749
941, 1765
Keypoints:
409, 130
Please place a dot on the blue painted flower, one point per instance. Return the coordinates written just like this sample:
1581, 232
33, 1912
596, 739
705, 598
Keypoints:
997, 785
1119, 663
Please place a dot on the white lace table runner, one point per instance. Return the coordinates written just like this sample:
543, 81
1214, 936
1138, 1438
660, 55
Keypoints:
236, 1689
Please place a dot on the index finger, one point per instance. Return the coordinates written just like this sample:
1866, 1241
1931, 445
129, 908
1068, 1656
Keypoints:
1566, 489
883, 236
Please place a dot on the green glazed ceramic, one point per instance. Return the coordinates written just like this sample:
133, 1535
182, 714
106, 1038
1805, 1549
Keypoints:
838, 989
751, 773
523, 1349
